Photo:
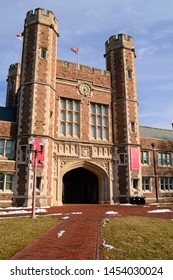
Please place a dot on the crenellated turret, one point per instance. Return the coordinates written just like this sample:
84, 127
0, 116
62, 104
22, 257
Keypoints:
13, 84
120, 61
37, 93
40, 16
122, 41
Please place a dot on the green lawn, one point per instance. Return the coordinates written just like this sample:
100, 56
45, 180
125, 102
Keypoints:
19, 232
138, 238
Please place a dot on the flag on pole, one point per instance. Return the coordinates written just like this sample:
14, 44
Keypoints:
74, 50
19, 36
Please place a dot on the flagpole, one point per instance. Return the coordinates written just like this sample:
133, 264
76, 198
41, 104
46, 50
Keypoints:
21, 48
76, 51
20, 37
78, 58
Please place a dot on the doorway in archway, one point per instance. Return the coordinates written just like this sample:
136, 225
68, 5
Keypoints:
80, 186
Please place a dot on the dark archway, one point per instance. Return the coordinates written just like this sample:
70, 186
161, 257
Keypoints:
80, 186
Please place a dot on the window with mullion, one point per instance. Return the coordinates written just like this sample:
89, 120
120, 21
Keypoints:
1, 181
166, 183
6, 182
7, 148
69, 117
2, 147
146, 183
23, 156
9, 182
99, 121
144, 157
10, 149
164, 158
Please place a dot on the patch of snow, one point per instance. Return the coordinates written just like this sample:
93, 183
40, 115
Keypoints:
156, 204
38, 210
111, 213
65, 218
14, 212
160, 211
105, 221
11, 208
59, 234
76, 213
107, 246
127, 204
44, 206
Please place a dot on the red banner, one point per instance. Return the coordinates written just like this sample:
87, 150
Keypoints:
40, 157
134, 159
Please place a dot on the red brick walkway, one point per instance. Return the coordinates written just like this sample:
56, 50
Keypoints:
81, 237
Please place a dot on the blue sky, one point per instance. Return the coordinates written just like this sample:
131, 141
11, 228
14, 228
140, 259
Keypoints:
87, 25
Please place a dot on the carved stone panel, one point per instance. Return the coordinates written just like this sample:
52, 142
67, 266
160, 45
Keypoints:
68, 149
85, 151
101, 152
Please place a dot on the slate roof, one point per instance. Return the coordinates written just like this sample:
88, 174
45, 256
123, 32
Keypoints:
157, 133
7, 114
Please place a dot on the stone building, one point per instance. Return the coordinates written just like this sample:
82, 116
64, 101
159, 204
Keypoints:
95, 150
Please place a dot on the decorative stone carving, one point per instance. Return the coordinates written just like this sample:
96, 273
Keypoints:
104, 165
63, 163
102, 152
68, 150
55, 156
85, 151
85, 89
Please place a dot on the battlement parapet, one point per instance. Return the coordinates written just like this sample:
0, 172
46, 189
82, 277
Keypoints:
41, 16
14, 69
122, 41
71, 71
82, 69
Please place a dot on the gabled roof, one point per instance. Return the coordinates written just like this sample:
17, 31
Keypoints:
7, 114
157, 133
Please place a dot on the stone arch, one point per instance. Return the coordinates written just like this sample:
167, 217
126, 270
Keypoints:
80, 186
103, 180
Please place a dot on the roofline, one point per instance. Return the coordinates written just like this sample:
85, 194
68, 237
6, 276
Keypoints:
164, 129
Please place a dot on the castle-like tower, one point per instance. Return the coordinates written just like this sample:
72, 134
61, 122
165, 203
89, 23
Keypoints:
13, 85
37, 99
120, 61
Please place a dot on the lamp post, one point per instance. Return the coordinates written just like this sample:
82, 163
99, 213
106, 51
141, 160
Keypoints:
155, 173
35, 151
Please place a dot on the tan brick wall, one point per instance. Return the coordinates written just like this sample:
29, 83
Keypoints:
8, 129
72, 73
7, 165
161, 171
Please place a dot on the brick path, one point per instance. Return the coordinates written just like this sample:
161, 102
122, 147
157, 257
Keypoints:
81, 237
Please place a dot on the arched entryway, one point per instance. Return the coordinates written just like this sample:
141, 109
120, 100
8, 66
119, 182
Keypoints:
80, 186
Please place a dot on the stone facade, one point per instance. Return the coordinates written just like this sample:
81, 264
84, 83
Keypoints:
89, 120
